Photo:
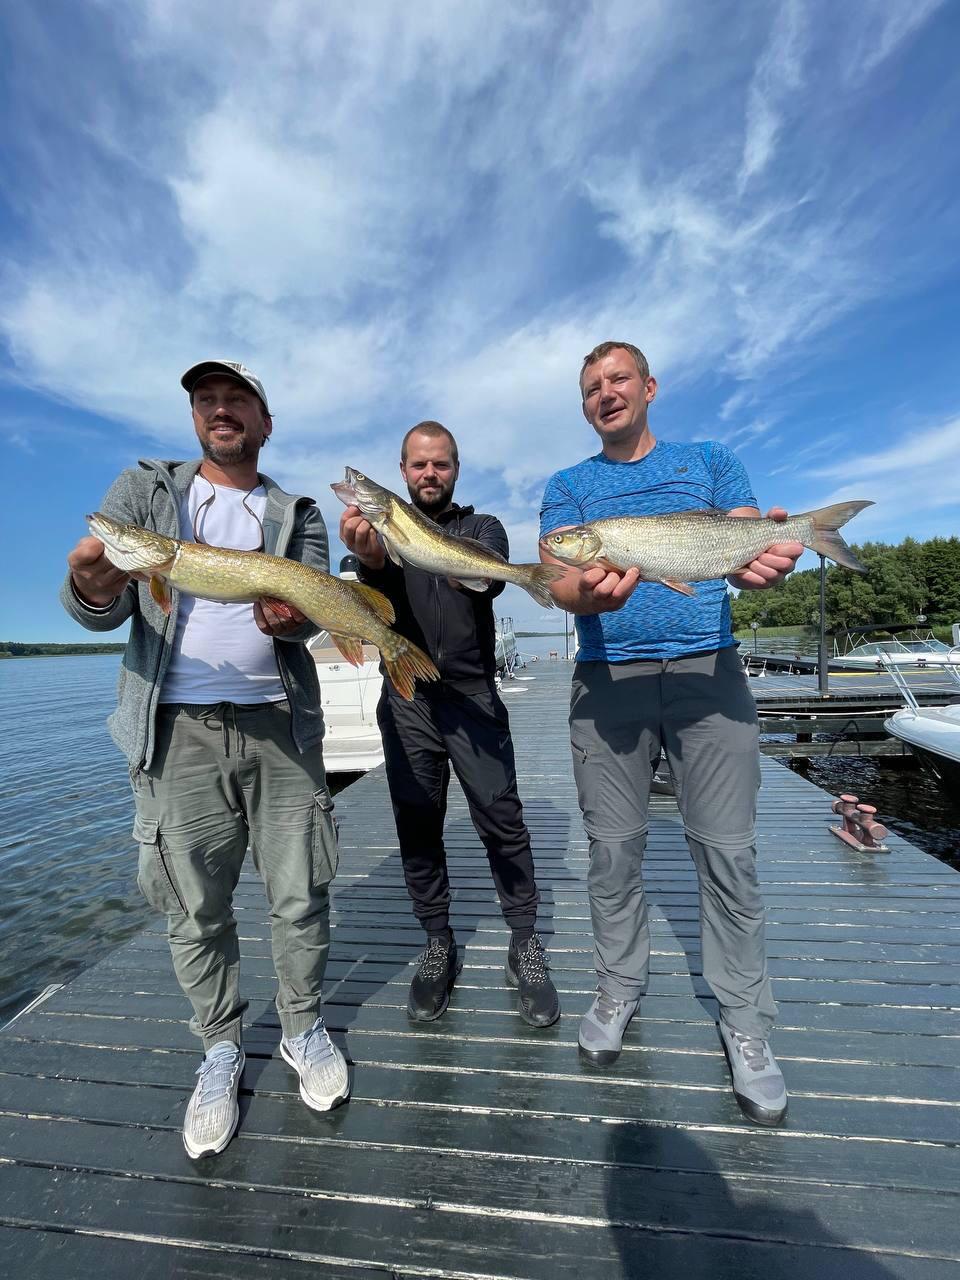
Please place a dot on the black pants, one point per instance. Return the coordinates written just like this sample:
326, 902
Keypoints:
421, 739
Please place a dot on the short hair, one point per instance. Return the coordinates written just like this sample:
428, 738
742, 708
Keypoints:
430, 428
604, 349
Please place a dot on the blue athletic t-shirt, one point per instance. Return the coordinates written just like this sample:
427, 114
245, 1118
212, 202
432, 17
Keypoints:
656, 622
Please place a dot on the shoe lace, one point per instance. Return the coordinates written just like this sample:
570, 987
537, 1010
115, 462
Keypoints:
315, 1045
433, 962
217, 1072
532, 961
753, 1050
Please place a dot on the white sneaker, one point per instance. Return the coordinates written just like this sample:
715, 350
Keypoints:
758, 1084
324, 1080
212, 1112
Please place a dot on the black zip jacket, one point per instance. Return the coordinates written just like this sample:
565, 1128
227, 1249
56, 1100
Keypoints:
454, 625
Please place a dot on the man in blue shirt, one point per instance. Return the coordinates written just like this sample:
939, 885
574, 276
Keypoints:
659, 670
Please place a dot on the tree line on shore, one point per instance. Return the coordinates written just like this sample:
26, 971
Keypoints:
18, 649
902, 583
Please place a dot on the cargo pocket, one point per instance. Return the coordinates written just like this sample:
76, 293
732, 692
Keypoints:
326, 851
155, 878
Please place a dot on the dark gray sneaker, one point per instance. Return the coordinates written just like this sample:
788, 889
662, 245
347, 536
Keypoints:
757, 1080
602, 1028
437, 970
528, 971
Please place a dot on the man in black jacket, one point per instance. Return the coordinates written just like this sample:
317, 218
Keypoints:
459, 720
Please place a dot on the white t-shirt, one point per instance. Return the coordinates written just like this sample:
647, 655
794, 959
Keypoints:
219, 653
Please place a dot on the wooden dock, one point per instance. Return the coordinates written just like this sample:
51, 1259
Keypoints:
477, 1148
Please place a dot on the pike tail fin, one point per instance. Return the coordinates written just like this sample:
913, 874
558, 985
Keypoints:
536, 579
405, 663
826, 541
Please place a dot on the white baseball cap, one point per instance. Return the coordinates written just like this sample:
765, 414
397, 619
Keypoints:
230, 369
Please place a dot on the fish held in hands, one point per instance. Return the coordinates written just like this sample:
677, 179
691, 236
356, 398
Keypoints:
349, 611
694, 546
409, 535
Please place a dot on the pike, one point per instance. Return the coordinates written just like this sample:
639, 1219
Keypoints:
408, 535
694, 546
349, 611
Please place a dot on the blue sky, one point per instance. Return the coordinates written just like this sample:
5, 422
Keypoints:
393, 212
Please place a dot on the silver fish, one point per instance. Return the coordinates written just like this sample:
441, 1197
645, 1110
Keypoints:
695, 546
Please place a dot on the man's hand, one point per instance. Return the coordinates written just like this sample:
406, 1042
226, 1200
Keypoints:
359, 536
277, 619
607, 589
95, 579
771, 566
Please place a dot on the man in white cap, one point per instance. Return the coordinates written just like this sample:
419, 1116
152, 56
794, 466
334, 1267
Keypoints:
219, 717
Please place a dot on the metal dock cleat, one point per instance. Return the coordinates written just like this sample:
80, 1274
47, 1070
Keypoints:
859, 828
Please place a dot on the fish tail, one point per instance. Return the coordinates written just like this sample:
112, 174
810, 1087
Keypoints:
825, 539
536, 579
405, 663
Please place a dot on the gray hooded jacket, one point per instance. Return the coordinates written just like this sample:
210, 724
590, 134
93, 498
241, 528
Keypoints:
150, 496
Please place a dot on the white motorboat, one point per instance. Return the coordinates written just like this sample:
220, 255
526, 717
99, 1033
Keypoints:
931, 733
349, 697
905, 647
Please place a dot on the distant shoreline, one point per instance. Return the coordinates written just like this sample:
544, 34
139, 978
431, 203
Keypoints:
18, 649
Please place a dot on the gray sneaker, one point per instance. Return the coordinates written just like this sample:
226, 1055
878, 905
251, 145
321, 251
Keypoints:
602, 1028
324, 1080
757, 1080
212, 1112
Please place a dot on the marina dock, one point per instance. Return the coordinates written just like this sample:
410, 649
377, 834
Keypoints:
476, 1148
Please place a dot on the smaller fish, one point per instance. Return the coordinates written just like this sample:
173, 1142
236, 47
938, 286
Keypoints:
695, 546
408, 535
349, 611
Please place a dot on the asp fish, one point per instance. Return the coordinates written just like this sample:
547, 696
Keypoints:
693, 546
349, 611
408, 535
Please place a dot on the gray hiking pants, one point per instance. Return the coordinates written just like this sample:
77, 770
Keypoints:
700, 711
221, 777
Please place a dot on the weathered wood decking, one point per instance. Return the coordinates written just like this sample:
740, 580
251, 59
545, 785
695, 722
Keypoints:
477, 1147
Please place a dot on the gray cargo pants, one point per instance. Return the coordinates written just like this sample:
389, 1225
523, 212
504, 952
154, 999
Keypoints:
701, 712
223, 776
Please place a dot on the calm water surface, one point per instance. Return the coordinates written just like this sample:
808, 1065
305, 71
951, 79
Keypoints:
67, 856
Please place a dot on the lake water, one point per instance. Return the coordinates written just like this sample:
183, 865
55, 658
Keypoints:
67, 856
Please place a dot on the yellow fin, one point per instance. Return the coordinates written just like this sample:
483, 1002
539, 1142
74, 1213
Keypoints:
161, 593
405, 664
350, 647
376, 601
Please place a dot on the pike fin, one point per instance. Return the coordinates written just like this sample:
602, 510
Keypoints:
539, 578
406, 664
278, 606
376, 601
161, 593
475, 545
350, 647
684, 588
391, 552
474, 584
826, 541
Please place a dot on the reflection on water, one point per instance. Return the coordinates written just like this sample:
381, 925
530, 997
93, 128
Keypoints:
67, 856
908, 801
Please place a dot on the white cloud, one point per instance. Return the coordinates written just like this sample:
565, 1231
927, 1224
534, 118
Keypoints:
779, 73
435, 210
